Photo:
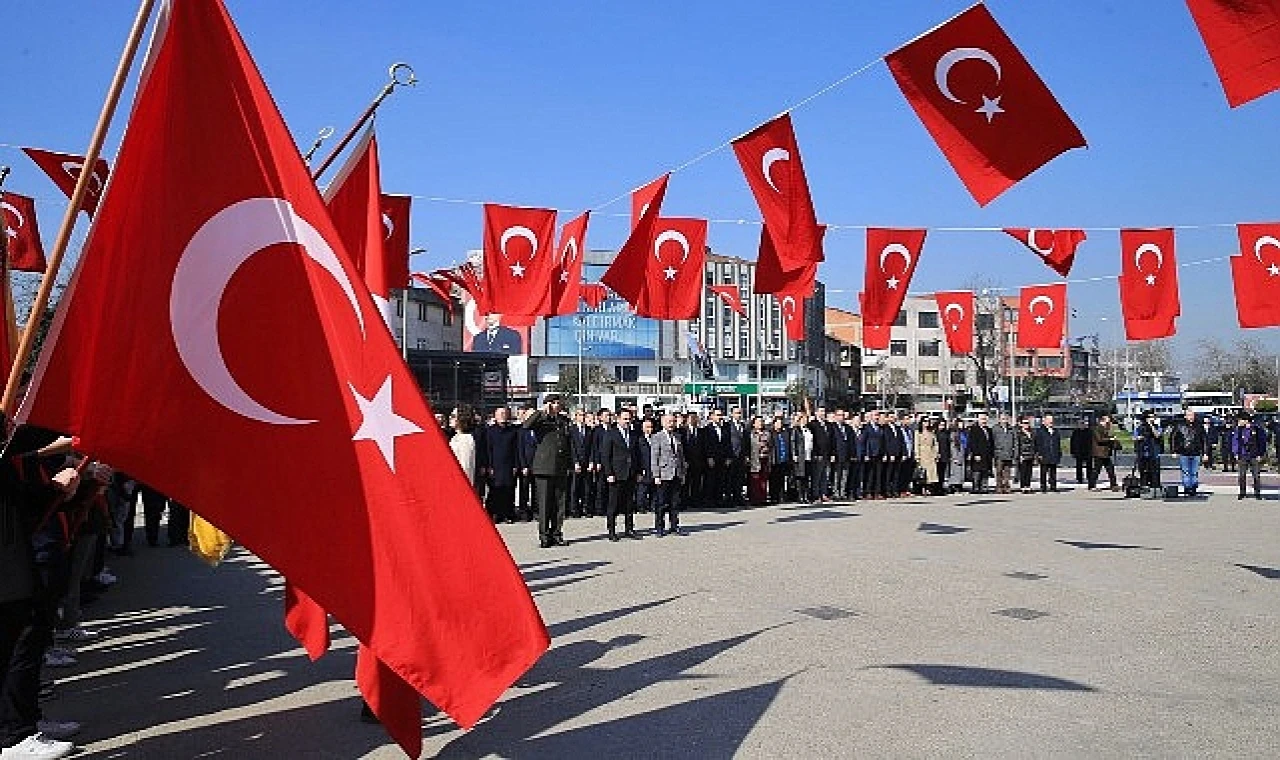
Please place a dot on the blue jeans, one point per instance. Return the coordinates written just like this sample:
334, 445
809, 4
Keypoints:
1190, 466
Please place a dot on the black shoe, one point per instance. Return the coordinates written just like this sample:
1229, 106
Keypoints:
1240, 497
632, 534
614, 537
660, 533
559, 542
680, 532
544, 544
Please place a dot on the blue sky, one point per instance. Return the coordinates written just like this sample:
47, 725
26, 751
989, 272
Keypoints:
570, 104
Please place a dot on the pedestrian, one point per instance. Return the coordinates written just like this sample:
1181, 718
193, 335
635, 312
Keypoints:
695, 456
502, 440
956, 474
1188, 442
1248, 447
1148, 448
526, 448
738, 444
1048, 454
1081, 448
780, 465
618, 458
717, 449
942, 436
644, 463
927, 457
1229, 458
550, 469
580, 454
760, 454
872, 452
981, 450
1024, 453
895, 449
463, 443
1105, 445
820, 456
1002, 434
667, 467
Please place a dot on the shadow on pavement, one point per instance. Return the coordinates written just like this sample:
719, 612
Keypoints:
825, 514
1269, 573
1088, 545
987, 678
935, 529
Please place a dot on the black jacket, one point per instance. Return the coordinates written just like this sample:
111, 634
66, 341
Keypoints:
1082, 443
981, 443
821, 439
694, 450
552, 454
502, 442
580, 443
643, 464
715, 442
1188, 440
618, 455
1049, 445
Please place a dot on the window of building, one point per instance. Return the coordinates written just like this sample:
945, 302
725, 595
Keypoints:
627, 373
774, 372
422, 344
985, 321
929, 348
869, 378
928, 377
958, 377
727, 351
1049, 362
664, 374
400, 306
751, 372
728, 372
927, 319
901, 321
744, 346
447, 317
449, 346
711, 341
727, 276
1022, 362
565, 369
897, 377
897, 348
422, 311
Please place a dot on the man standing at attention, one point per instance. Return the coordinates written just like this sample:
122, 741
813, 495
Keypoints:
667, 467
1049, 452
981, 447
550, 469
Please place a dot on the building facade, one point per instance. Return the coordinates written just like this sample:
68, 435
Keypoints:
917, 371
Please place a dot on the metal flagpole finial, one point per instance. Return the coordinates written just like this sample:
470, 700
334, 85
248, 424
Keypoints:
324, 134
402, 74
4, 174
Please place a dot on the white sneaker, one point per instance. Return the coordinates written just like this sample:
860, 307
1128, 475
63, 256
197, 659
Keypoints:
75, 635
59, 660
37, 747
59, 729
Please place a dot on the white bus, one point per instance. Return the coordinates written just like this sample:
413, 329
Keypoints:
1212, 403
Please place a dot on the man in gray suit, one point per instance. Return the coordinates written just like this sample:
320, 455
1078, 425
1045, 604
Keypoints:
667, 466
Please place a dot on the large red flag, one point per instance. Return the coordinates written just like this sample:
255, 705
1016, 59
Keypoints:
1059, 254
770, 278
436, 283
1243, 38
18, 218
566, 282
1149, 276
892, 256
626, 275
874, 336
423, 579
354, 200
1160, 326
792, 307
1255, 275
956, 312
673, 280
731, 297
593, 294
1016, 127
518, 259
1042, 316
770, 159
64, 169
395, 242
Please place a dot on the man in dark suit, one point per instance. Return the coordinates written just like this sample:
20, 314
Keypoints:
526, 447
644, 476
695, 456
895, 450
739, 443
873, 442
1049, 453
497, 339
716, 449
617, 461
550, 469
502, 441
819, 456
982, 450
604, 423
838, 433
580, 454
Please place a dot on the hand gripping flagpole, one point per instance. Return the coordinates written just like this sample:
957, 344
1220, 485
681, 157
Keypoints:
73, 207
401, 76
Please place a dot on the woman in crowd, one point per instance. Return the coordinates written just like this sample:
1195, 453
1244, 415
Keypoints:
942, 438
761, 454
463, 442
801, 469
927, 457
1024, 453
956, 475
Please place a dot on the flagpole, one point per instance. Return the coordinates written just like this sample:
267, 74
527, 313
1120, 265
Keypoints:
396, 70
41, 302
10, 319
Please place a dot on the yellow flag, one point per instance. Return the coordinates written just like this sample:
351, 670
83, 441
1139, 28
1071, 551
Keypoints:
207, 542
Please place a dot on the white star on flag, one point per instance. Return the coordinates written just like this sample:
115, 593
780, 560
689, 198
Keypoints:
1151, 279
670, 272
564, 277
990, 107
1273, 270
517, 270
1039, 320
893, 283
379, 422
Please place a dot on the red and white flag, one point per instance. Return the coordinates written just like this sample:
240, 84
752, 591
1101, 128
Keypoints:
566, 282
770, 160
518, 259
1243, 38
438, 284
1056, 247
1255, 275
792, 307
1149, 283
64, 169
626, 275
956, 313
770, 277
594, 294
731, 297
423, 580
1042, 316
874, 336
892, 256
18, 217
395, 241
988, 110
354, 200
673, 280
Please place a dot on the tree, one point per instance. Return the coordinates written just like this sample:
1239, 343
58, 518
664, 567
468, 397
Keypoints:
987, 341
1241, 368
594, 377
1036, 389
797, 392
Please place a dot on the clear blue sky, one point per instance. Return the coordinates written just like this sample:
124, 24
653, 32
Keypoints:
569, 104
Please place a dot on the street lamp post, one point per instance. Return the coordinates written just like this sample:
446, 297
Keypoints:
404, 312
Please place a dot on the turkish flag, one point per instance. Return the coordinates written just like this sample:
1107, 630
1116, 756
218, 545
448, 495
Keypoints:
770, 159
1243, 38
22, 233
770, 277
397, 547
626, 275
566, 281
1056, 247
892, 256
354, 200
1160, 326
436, 283
792, 307
395, 241
673, 279
731, 297
874, 336
988, 110
594, 294
956, 312
1149, 275
64, 169
1042, 316
1255, 275
518, 259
